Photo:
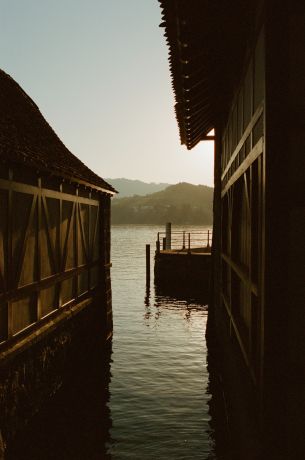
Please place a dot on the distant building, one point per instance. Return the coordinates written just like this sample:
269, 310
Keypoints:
239, 67
54, 257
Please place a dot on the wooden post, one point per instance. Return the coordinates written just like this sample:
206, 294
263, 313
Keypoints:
158, 244
189, 238
164, 243
148, 263
168, 235
183, 244
208, 245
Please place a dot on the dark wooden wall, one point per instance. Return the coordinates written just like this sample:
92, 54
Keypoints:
262, 279
284, 366
54, 246
242, 209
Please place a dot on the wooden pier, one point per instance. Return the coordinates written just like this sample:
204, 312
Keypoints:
186, 264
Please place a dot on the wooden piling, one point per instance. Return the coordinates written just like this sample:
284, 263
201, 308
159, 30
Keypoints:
168, 235
148, 263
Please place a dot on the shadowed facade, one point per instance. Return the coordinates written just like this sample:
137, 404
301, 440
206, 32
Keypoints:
55, 290
239, 67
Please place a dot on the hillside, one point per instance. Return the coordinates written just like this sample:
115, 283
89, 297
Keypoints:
180, 204
130, 187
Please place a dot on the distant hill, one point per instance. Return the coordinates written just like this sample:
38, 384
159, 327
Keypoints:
130, 187
182, 203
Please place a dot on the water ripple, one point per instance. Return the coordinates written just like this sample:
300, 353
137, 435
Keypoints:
159, 389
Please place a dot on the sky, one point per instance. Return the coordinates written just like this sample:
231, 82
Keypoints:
98, 70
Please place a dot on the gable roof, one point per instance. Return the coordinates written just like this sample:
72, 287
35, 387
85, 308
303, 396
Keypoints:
27, 138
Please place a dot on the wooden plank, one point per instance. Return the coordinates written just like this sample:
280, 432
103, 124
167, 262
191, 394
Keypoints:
65, 246
241, 272
26, 338
253, 155
247, 132
32, 190
76, 234
83, 233
95, 232
230, 219
88, 184
46, 282
262, 256
60, 249
2, 284
50, 242
23, 247
10, 274
246, 190
239, 339
89, 246
38, 254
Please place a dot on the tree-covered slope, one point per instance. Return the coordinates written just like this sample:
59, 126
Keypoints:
180, 204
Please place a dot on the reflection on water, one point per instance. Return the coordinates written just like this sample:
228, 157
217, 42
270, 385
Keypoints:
184, 305
153, 397
161, 401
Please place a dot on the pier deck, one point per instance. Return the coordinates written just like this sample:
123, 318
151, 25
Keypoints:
184, 268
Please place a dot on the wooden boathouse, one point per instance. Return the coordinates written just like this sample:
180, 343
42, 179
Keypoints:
55, 290
238, 67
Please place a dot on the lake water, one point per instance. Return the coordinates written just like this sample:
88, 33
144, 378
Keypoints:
152, 396
160, 383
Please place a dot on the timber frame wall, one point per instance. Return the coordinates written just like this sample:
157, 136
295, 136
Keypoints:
260, 208
243, 210
239, 67
54, 249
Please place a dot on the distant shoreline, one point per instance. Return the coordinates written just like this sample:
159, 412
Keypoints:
183, 204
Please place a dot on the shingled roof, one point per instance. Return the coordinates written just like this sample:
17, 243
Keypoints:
207, 40
27, 138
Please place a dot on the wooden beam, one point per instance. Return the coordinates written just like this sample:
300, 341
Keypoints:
25, 238
48, 227
250, 158
38, 248
242, 273
64, 254
94, 233
245, 135
239, 338
246, 190
32, 190
82, 232
10, 274
32, 288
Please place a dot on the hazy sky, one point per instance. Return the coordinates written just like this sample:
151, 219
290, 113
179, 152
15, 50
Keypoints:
99, 73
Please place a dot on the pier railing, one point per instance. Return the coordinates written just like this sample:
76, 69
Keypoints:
184, 240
